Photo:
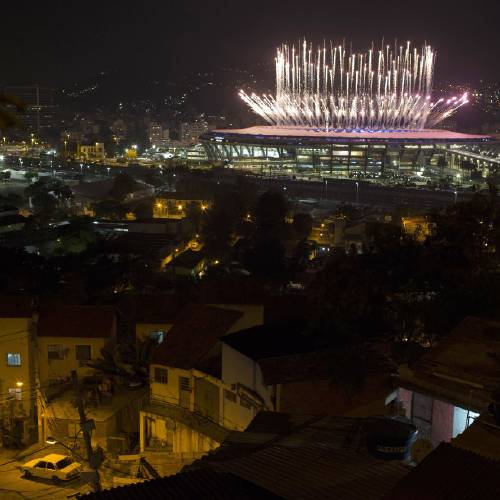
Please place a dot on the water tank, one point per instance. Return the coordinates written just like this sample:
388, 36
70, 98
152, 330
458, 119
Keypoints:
390, 438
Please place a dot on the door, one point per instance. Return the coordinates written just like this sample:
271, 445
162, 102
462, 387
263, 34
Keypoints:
206, 399
184, 392
41, 469
422, 414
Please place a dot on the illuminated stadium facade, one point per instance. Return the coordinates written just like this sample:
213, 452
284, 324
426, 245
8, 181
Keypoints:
335, 113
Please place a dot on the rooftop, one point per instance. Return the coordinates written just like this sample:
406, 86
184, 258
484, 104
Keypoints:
450, 472
76, 321
195, 331
191, 485
16, 306
308, 133
272, 339
462, 367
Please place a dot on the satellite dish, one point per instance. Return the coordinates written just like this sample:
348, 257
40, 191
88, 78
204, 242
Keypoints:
420, 449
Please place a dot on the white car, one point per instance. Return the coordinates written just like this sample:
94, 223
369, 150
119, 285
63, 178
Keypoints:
53, 466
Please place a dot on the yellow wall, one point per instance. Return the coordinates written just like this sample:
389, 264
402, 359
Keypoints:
54, 369
15, 338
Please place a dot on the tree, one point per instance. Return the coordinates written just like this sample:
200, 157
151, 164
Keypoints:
122, 186
302, 225
8, 117
109, 209
270, 214
44, 203
143, 210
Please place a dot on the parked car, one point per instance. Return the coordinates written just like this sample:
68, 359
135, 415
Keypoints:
53, 466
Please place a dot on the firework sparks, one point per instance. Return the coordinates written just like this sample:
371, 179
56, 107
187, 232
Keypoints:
328, 89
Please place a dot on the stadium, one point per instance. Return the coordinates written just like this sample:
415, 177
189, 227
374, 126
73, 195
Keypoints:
339, 114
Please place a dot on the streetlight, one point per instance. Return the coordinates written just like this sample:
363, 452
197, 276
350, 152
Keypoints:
357, 192
455, 193
326, 189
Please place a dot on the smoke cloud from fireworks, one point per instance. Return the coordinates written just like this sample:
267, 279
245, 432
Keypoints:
327, 88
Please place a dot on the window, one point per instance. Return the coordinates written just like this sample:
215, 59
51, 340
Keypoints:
230, 395
161, 375
41, 465
13, 359
50, 466
245, 402
83, 352
16, 392
55, 351
184, 384
157, 336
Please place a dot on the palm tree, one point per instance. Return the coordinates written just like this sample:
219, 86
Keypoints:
8, 117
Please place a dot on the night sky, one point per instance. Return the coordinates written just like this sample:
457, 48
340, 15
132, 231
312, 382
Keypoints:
62, 42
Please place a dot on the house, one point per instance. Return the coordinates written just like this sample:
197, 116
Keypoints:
468, 467
196, 391
113, 409
447, 388
298, 372
178, 205
190, 263
69, 337
17, 371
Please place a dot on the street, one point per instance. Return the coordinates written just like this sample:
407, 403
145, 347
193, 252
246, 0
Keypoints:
14, 486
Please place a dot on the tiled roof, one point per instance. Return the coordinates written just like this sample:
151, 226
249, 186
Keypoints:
196, 330
450, 473
16, 306
76, 321
193, 485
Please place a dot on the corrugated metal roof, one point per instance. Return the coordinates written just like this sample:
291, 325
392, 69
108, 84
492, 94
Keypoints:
450, 473
317, 471
206, 484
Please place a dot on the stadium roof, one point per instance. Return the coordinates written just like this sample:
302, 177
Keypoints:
310, 134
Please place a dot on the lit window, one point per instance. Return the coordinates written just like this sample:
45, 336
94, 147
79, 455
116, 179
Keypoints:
16, 393
13, 359
161, 375
157, 336
83, 352
55, 351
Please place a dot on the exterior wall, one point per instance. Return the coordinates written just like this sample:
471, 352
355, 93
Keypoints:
162, 433
60, 369
15, 338
232, 414
143, 330
444, 421
335, 159
238, 369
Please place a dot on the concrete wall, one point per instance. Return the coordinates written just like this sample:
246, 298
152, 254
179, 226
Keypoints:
60, 369
237, 368
232, 414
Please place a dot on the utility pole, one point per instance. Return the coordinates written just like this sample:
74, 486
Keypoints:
94, 459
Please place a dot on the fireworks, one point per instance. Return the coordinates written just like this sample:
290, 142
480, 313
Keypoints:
327, 89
